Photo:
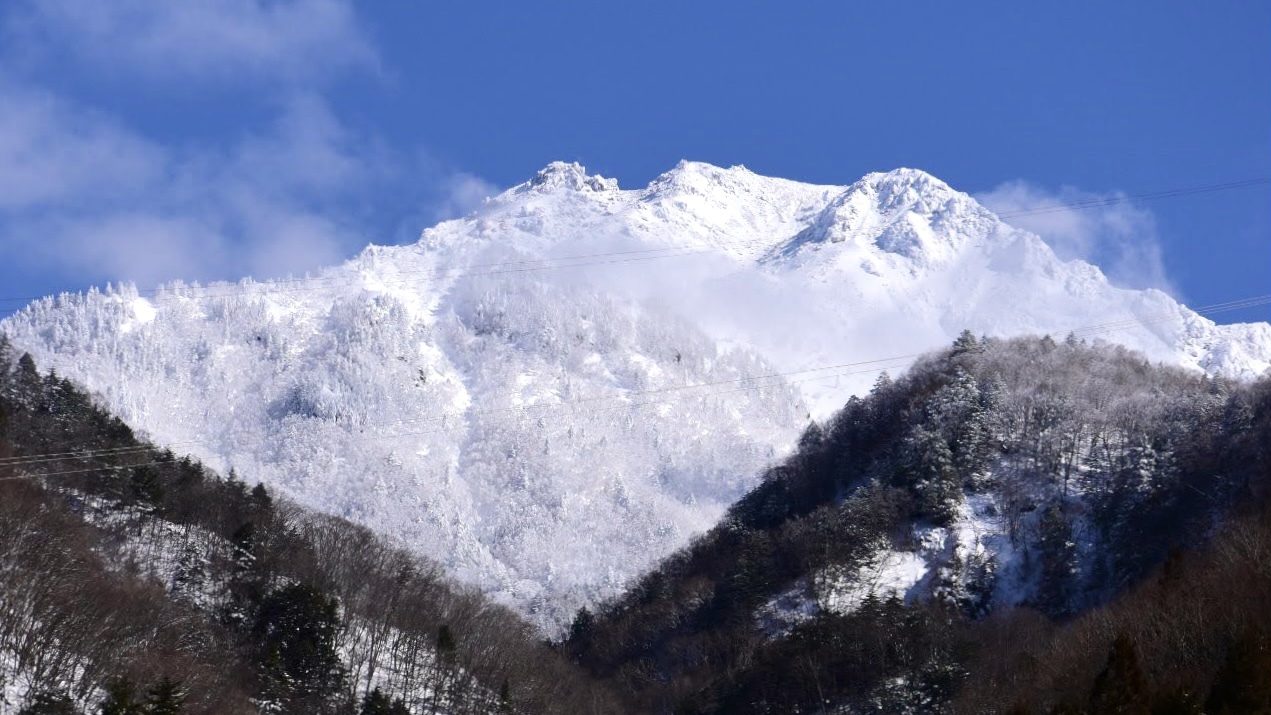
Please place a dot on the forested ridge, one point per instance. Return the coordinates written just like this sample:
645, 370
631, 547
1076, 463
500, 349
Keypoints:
1092, 534
135, 581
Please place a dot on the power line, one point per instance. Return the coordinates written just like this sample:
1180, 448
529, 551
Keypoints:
1150, 319
519, 410
108, 467
1144, 321
1234, 305
590, 412
1114, 200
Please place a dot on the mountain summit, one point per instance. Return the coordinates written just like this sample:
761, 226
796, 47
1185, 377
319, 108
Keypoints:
555, 391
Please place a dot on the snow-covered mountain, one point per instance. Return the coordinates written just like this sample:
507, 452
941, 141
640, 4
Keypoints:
552, 393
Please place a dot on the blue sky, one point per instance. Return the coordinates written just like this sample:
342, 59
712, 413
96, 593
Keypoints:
148, 140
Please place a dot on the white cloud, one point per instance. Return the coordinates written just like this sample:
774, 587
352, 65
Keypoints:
83, 196
87, 197
146, 248
288, 41
461, 194
1120, 238
51, 153
285, 239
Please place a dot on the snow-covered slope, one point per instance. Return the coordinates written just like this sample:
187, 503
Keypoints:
554, 392
810, 276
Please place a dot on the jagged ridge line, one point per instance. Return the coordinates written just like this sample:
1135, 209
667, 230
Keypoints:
684, 251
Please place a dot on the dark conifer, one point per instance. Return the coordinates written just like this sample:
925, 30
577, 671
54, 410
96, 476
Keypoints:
261, 499
49, 703
121, 698
1178, 702
445, 640
1121, 689
165, 697
505, 697
297, 627
966, 342
1243, 684
377, 703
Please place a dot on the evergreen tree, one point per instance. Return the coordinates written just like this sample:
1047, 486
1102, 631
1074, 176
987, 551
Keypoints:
145, 487
1243, 684
505, 697
958, 412
245, 541
580, 633
49, 703
261, 499
1178, 702
27, 383
165, 697
1058, 555
931, 475
1121, 689
6, 361
966, 342
813, 435
445, 641
297, 627
445, 671
121, 698
377, 703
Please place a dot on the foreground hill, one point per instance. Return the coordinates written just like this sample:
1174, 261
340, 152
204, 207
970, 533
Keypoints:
554, 392
1015, 525
134, 582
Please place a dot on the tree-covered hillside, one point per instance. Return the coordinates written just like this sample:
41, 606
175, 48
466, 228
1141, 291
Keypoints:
134, 581
1015, 526
1019, 525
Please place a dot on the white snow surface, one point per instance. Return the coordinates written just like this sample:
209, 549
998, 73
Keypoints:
559, 389
885, 574
947, 562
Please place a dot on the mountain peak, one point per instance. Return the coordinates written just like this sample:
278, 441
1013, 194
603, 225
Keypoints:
698, 177
907, 189
572, 176
906, 176
905, 212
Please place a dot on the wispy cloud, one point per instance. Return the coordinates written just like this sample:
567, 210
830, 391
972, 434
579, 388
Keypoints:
51, 154
1121, 239
87, 196
289, 41
460, 194
81, 193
